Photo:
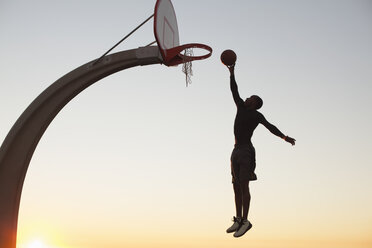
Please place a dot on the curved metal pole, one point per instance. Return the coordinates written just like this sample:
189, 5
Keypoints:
21, 141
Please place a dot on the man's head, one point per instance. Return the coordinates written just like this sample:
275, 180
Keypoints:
253, 102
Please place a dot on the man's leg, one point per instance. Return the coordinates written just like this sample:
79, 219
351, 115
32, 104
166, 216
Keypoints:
238, 207
245, 225
238, 200
246, 198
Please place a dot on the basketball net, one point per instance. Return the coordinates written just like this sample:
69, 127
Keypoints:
187, 65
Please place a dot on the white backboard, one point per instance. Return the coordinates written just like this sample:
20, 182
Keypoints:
165, 26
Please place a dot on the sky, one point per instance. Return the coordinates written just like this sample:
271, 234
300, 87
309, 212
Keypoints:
140, 160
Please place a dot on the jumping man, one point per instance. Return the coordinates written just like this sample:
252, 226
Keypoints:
243, 161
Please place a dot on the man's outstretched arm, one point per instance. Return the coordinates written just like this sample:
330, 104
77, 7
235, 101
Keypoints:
274, 130
234, 87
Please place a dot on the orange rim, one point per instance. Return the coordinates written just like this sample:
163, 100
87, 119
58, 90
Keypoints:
174, 56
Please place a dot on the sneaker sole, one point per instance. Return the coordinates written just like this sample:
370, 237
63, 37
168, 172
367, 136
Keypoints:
231, 231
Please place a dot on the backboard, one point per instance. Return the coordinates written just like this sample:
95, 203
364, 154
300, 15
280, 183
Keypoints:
165, 26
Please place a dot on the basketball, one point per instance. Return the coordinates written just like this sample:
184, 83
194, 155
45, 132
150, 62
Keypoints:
228, 57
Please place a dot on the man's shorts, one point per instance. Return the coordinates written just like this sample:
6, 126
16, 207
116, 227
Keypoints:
243, 163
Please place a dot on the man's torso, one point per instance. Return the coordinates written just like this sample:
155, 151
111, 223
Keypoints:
246, 121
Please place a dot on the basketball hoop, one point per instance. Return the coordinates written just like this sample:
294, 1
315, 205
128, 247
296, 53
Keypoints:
167, 37
175, 57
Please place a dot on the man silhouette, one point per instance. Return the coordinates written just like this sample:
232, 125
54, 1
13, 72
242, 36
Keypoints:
243, 161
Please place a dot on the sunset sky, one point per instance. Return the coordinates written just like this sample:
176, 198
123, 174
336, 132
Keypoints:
140, 160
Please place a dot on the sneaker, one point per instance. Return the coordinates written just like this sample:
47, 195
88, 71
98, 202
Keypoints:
245, 225
234, 226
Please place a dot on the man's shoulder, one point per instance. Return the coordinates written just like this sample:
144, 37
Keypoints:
259, 115
240, 103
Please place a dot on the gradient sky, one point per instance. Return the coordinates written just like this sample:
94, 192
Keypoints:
139, 160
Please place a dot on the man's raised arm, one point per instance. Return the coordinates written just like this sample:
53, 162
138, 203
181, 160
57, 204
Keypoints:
234, 87
274, 130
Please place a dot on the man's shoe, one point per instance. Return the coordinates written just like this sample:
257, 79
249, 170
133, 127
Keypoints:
234, 226
245, 225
